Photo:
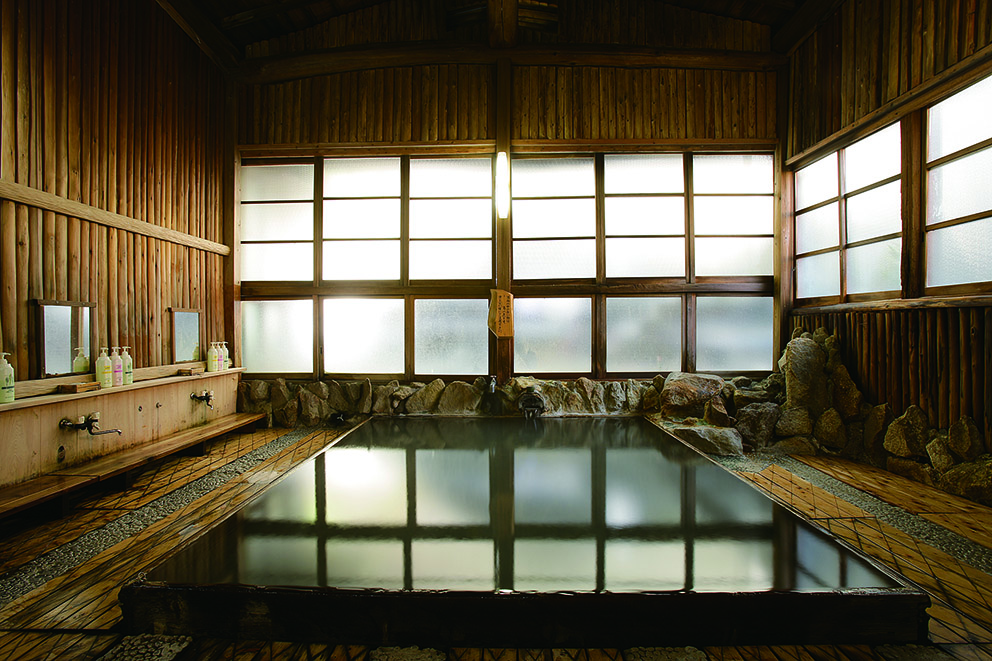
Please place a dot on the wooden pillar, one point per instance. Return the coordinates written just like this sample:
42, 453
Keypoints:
230, 203
503, 359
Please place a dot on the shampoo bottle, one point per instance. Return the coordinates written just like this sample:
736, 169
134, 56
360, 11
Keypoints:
227, 356
81, 363
212, 357
116, 368
103, 370
128, 367
6, 379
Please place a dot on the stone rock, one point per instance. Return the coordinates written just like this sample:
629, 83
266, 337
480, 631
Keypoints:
855, 448
721, 441
939, 451
832, 346
756, 423
746, 397
658, 382
258, 391
365, 399
651, 401
794, 422
715, 413
459, 398
805, 384
593, 394
397, 401
242, 403
914, 470
658, 654
615, 397
741, 382
635, 393
847, 397
318, 388
795, 445
876, 424
559, 399
313, 410
686, 394
382, 398
829, 430
281, 394
820, 336
797, 332
337, 399
286, 416
353, 391
907, 435
972, 480
425, 399
774, 385
964, 439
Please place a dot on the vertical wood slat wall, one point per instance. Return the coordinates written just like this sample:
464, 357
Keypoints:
109, 104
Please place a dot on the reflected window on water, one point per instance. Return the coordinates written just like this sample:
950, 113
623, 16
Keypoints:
636, 566
278, 561
292, 499
363, 563
554, 564
366, 487
722, 498
445, 564
733, 565
552, 486
642, 489
452, 487
817, 561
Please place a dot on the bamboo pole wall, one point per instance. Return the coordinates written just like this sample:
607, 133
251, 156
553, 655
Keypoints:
872, 52
111, 105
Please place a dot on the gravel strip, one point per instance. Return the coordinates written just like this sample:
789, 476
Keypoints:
58, 561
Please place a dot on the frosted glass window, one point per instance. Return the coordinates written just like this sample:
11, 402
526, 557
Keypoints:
363, 335
453, 565
643, 173
362, 177
875, 213
734, 333
733, 215
277, 222
451, 336
874, 267
647, 257
575, 258
540, 218
645, 215
636, 566
446, 260
364, 563
278, 561
959, 254
960, 188
451, 177
292, 499
643, 334
277, 261
643, 488
277, 336
361, 219
733, 566
818, 229
817, 182
871, 159
732, 173
734, 255
552, 177
452, 487
365, 487
552, 486
818, 275
276, 182
550, 565
960, 120
361, 260
456, 219
552, 335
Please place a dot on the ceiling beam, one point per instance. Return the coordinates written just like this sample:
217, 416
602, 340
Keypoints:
502, 23
204, 33
256, 14
340, 60
803, 23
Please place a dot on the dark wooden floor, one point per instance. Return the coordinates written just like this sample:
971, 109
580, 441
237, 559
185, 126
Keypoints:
77, 615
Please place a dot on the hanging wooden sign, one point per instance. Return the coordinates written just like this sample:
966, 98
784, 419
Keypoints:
501, 313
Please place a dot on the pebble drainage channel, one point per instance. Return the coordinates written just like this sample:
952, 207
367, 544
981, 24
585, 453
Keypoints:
66, 557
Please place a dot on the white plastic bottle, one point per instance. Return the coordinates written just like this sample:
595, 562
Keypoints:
116, 368
128, 367
6, 379
81, 363
104, 375
212, 357
227, 356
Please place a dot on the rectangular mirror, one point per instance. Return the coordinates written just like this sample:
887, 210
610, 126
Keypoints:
65, 332
185, 335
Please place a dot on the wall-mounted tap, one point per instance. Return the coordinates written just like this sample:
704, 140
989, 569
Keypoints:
90, 423
204, 396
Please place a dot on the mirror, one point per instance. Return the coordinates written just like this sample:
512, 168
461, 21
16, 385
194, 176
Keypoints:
64, 327
185, 335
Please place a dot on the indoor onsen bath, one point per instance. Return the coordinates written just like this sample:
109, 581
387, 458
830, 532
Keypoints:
585, 532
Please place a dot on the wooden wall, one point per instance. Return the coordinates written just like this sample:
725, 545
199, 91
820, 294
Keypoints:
871, 53
111, 105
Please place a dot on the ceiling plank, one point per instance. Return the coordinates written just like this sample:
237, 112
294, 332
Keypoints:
204, 33
803, 23
340, 60
256, 14
502, 23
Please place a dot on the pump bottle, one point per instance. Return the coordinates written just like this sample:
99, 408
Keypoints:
103, 369
116, 368
128, 367
6, 379
212, 357
227, 356
81, 363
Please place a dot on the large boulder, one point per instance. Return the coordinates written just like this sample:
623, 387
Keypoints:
914, 470
715, 413
829, 430
382, 398
795, 445
593, 394
964, 439
805, 381
397, 400
651, 401
847, 397
756, 423
635, 393
907, 436
615, 397
425, 399
459, 398
364, 404
313, 410
258, 390
685, 394
337, 398
744, 397
972, 480
721, 441
939, 451
794, 422
876, 424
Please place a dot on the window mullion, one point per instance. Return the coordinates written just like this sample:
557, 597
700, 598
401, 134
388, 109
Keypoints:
405, 221
842, 221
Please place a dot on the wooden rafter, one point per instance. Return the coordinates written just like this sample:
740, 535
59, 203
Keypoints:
502, 23
802, 24
203, 32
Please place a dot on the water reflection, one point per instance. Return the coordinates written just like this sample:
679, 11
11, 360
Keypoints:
568, 505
